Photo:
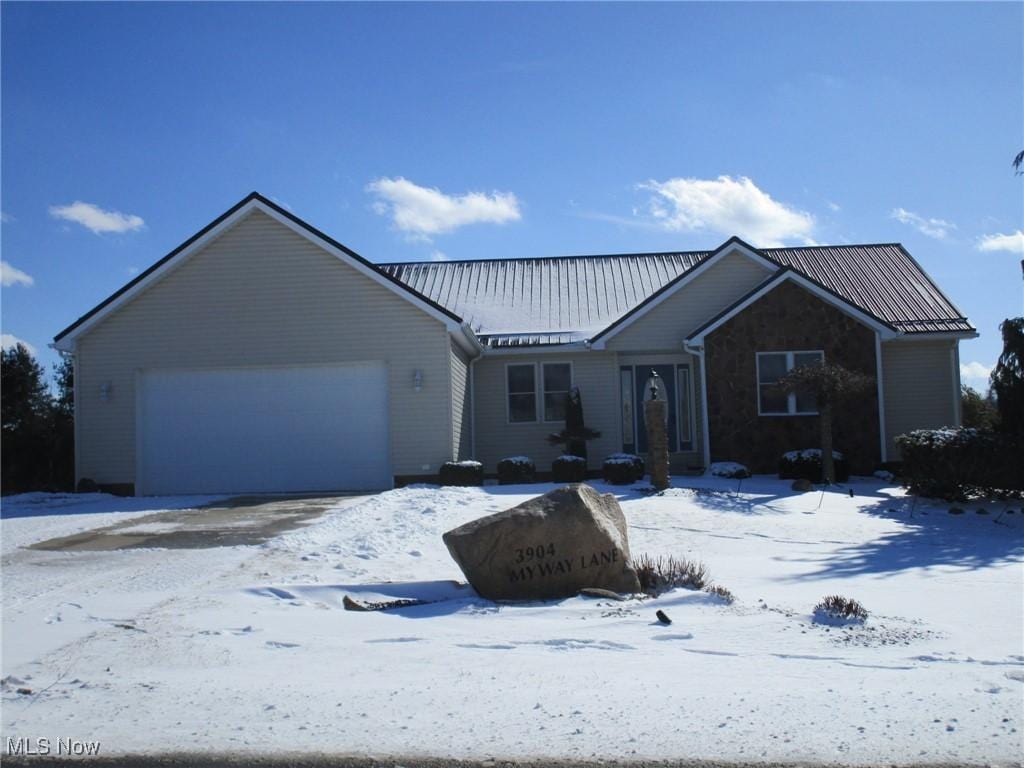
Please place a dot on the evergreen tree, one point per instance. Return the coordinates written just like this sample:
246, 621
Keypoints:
63, 424
64, 377
1007, 379
977, 411
25, 418
575, 435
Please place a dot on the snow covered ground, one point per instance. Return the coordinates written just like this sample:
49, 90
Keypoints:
247, 649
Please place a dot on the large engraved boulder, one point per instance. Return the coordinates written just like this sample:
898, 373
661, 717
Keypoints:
548, 547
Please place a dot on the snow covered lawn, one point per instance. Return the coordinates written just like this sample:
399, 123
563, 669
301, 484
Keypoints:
247, 649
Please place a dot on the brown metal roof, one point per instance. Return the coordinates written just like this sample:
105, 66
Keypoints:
884, 279
531, 302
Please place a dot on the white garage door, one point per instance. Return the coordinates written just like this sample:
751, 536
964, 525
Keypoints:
315, 428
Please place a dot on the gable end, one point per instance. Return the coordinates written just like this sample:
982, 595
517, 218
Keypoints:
732, 245
254, 201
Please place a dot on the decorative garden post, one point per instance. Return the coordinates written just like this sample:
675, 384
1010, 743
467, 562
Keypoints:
656, 423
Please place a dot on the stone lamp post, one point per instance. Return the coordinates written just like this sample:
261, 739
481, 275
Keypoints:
656, 423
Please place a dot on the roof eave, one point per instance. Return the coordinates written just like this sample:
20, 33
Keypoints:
934, 335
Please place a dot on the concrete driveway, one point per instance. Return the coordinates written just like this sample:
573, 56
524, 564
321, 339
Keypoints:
242, 520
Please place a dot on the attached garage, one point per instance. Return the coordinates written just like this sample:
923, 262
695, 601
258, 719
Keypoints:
261, 356
240, 430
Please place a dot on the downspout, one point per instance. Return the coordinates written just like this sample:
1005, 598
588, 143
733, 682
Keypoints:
698, 352
472, 405
471, 375
954, 354
881, 399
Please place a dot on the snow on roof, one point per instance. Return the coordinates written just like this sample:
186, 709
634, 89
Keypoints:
532, 302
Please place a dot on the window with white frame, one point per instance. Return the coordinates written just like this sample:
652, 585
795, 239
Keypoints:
773, 401
537, 391
557, 381
521, 382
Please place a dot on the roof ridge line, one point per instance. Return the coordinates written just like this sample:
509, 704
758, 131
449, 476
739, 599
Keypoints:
893, 244
546, 258
633, 255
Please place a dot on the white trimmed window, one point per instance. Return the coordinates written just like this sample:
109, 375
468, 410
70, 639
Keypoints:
522, 392
557, 381
537, 391
771, 400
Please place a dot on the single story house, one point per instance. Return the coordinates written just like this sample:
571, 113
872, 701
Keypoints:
262, 355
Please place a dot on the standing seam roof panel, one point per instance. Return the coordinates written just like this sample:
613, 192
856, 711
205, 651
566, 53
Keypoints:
575, 297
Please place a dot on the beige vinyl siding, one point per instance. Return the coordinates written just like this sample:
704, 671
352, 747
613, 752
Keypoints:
595, 373
667, 324
920, 384
461, 415
597, 376
262, 295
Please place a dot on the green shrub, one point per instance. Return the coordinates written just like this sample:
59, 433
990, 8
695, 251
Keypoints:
515, 470
806, 464
622, 468
462, 473
955, 463
569, 469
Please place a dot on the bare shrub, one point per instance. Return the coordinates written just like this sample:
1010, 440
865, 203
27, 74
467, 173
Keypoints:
837, 607
721, 593
661, 574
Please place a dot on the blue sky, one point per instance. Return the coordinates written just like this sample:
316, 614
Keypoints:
460, 131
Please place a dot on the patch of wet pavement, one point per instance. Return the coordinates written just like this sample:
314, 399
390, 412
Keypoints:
238, 521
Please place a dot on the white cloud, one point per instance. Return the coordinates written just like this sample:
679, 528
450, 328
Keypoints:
1014, 243
423, 211
10, 275
834, 207
6, 218
727, 206
975, 375
438, 256
95, 219
936, 228
7, 341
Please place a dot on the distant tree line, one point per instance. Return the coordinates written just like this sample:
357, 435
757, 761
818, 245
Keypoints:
38, 446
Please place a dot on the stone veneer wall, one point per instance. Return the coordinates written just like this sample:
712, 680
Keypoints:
788, 318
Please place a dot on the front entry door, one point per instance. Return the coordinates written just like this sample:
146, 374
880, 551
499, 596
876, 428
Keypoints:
679, 393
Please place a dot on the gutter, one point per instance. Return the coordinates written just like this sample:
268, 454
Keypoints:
539, 349
935, 335
468, 340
